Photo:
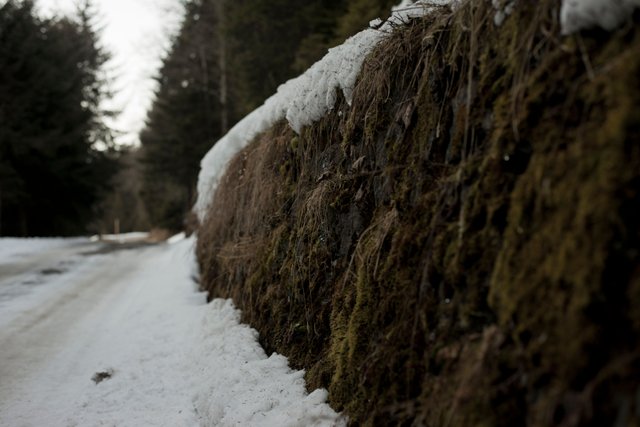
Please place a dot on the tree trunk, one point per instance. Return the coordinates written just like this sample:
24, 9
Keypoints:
222, 58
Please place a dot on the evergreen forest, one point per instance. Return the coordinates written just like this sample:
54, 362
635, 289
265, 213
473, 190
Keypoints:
56, 153
228, 57
60, 171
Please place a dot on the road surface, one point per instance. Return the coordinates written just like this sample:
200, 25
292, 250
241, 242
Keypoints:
58, 306
117, 335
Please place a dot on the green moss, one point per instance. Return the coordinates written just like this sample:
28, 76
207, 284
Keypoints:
461, 246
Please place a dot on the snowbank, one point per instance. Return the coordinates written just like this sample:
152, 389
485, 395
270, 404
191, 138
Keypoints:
244, 386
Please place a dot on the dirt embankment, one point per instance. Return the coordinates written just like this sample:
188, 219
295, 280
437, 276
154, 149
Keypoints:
461, 246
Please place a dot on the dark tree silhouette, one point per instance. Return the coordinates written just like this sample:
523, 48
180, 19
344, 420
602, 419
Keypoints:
55, 151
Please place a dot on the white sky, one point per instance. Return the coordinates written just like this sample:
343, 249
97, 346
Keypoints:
136, 33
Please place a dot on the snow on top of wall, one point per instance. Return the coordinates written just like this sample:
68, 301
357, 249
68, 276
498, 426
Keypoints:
302, 100
310, 96
576, 15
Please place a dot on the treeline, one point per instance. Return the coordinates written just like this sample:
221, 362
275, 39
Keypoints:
56, 153
58, 163
227, 59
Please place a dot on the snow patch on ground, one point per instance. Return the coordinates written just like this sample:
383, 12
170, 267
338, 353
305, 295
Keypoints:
244, 386
302, 100
576, 15
176, 238
122, 237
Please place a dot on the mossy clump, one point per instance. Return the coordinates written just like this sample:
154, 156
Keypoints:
461, 245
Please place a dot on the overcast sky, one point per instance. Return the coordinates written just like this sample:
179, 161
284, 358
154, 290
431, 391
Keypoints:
136, 32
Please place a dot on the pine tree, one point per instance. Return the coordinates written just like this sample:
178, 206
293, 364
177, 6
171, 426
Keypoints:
227, 59
187, 116
51, 172
358, 15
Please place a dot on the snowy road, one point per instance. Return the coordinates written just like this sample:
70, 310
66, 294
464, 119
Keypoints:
132, 319
22, 260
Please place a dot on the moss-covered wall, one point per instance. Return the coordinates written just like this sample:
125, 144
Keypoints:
460, 247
